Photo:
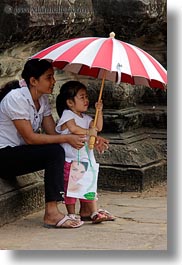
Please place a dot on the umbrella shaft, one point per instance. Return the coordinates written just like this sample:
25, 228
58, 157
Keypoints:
92, 138
100, 96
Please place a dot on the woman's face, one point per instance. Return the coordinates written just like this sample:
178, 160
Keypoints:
77, 171
45, 83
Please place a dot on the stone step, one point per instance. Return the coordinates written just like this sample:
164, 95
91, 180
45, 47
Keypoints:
20, 202
10, 185
135, 135
132, 179
123, 120
134, 161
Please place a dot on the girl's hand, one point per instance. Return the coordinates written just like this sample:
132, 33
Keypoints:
93, 131
99, 105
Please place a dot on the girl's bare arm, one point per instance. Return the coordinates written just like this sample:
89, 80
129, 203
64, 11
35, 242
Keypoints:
75, 129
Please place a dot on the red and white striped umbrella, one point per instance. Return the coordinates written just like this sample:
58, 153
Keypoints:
110, 58
106, 58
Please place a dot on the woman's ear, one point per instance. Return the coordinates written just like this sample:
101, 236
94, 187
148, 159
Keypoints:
33, 81
69, 103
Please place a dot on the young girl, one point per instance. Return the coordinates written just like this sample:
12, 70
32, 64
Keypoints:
71, 104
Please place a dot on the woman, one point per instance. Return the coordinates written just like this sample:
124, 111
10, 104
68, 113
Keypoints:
23, 111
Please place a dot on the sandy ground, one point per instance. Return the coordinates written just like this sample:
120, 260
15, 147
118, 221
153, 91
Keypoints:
159, 190
141, 224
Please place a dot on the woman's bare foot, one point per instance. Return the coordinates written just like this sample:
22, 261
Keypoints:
53, 217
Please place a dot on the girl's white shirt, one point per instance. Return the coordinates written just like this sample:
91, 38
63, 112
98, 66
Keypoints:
18, 104
70, 152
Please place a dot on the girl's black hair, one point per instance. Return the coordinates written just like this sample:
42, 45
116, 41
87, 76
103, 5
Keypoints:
67, 91
32, 68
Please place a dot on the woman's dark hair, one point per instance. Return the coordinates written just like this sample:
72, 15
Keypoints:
5, 89
67, 91
32, 68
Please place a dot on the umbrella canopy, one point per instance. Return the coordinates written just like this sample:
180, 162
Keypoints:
110, 58
106, 58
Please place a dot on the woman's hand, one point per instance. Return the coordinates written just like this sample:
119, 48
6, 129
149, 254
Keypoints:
101, 144
76, 141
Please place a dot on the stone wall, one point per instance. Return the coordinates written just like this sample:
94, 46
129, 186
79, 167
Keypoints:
27, 26
21, 196
142, 23
45, 21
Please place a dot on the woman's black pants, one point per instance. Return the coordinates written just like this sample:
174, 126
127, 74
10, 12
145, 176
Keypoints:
19, 160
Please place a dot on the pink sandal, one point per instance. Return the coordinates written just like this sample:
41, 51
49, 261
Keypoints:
62, 223
97, 218
108, 215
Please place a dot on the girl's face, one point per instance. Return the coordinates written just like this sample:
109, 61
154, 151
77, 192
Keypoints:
81, 101
45, 83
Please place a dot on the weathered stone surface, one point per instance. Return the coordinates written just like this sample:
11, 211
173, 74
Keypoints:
132, 179
21, 196
135, 161
129, 119
140, 22
28, 20
9, 185
124, 95
21, 202
144, 23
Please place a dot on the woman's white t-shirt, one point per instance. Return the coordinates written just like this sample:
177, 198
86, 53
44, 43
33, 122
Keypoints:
18, 104
70, 152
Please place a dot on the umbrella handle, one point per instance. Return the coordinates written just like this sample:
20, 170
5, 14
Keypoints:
92, 138
91, 142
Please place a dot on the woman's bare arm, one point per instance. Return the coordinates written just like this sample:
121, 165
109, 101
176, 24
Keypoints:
24, 128
48, 124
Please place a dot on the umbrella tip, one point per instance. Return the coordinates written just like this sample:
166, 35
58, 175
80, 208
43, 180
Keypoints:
112, 35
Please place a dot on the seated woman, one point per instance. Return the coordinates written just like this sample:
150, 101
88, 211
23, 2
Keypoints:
23, 149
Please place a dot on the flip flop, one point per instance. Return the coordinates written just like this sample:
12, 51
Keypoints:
74, 217
62, 221
109, 216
